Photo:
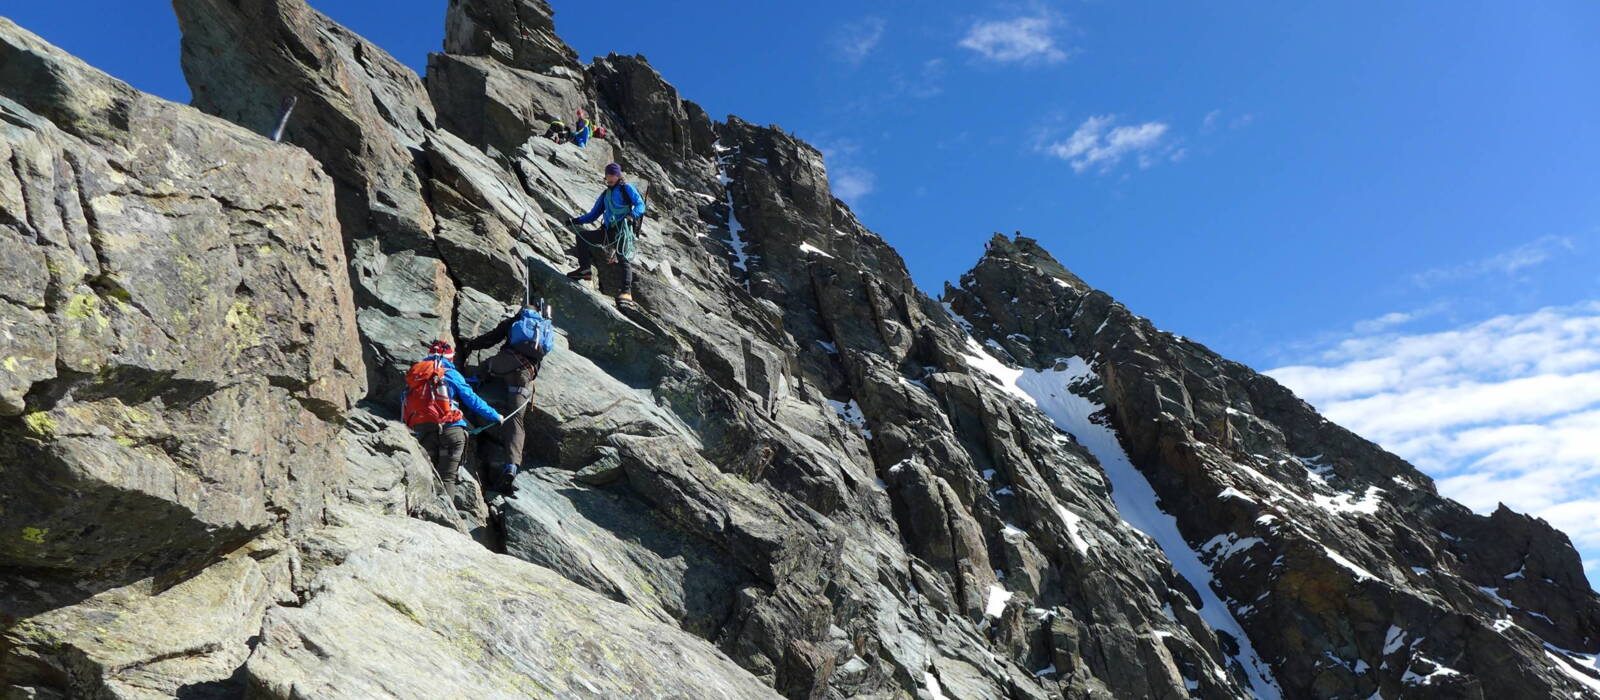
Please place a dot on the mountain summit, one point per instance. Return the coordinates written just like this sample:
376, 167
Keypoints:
787, 473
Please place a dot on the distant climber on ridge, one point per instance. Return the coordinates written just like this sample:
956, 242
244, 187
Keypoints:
526, 337
431, 408
621, 206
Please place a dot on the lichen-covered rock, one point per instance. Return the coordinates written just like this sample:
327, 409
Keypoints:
364, 116
178, 333
416, 611
155, 639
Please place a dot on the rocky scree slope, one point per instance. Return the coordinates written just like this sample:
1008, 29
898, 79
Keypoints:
796, 475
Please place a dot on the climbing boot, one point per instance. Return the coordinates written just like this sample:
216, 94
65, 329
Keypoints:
582, 274
506, 479
625, 300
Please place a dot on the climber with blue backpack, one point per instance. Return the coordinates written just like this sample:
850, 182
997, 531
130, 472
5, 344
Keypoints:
525, 339
620, 209
431, 408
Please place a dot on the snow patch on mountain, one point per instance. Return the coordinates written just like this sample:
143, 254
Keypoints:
1049, 390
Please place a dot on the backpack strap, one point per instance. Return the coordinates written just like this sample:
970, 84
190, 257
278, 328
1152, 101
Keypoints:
627, 194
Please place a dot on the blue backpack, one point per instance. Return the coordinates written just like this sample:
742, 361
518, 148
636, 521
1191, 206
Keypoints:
532, 335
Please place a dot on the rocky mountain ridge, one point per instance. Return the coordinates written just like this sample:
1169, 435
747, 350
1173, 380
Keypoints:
795, 474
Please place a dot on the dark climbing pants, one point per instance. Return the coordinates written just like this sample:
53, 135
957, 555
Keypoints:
445, 444
586, 262
516, 374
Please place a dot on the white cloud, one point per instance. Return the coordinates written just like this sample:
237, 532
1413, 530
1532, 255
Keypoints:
1018, 40
930, 81
925, 82
1214, 120
1508, 263
1384, 322
851, 183
1098, 144
1391, 414
847, 178
854, 41
1506, 410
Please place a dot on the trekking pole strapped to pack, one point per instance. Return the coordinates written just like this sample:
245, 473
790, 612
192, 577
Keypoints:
527, 290
286, 109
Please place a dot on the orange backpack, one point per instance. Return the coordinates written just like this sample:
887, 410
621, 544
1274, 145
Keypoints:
427, 398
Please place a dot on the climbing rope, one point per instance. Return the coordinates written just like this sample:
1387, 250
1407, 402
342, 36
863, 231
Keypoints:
609, 247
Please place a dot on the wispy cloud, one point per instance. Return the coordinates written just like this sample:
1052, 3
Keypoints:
1508, 263
1503, 410
924, 81
852, 42
851, 183
1099, 145
1384, 322
929, 81
1218, 119
1029, 39
847, 178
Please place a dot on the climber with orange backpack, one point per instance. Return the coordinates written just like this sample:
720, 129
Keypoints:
431, 408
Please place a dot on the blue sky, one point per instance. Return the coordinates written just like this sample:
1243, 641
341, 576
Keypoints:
1392, 206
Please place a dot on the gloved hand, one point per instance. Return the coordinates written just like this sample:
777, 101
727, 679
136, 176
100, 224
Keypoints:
572, 221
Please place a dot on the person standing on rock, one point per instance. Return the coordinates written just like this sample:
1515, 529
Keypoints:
431, 408
621, 206
525, 338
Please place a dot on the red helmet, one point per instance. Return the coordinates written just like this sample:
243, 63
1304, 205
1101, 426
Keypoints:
441, 347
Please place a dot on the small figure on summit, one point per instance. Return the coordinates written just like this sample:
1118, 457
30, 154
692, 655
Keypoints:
431, 408
526, 337
622, 207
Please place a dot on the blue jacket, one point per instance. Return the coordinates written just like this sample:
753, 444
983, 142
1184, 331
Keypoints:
614, 204
462, 396
581, 135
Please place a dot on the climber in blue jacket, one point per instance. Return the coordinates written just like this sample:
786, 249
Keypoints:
584, 130
432, 407
619, 208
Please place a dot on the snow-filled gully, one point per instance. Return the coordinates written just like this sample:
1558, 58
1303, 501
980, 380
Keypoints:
1135, 498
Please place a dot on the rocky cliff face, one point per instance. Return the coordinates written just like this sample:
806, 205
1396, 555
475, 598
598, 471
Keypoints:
793, 475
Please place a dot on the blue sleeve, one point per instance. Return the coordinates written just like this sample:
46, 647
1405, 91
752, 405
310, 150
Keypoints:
467, 398
638, 202
599, 206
